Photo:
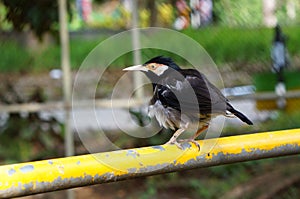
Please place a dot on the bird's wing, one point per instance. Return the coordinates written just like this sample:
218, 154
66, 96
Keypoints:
191, 93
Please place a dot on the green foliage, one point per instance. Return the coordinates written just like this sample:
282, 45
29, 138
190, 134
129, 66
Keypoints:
4, 24
234, 44
281, 12
39, 16
239, 13
266, 81
23, 139
224, 45
244, 13
13, 58
282, 120
80, 49
242, 45
152, 188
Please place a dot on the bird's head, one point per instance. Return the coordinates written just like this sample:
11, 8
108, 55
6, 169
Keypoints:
157, 66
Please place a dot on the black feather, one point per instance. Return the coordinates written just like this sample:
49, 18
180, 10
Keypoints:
238, 114
197, 94
164, 60
204, 98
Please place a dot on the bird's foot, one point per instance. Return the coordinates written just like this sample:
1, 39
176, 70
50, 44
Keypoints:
175, 136
176, 143
191, 140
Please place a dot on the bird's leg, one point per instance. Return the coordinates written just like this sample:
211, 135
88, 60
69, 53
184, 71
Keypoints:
192, 139
175, 136
199, 131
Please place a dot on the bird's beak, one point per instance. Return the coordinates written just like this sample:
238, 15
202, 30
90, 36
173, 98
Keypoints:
136, 68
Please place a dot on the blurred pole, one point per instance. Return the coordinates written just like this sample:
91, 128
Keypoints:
65, 64
137, 77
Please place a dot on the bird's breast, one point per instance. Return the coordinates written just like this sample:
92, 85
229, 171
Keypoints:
166, 116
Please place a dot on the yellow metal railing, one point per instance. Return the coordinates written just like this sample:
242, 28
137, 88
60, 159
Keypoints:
63, 173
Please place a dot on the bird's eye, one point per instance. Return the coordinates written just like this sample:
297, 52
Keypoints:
152, 66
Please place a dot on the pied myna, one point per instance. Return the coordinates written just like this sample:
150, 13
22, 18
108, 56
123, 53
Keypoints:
183, 98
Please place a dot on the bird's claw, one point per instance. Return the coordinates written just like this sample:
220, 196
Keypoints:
176, 143
191, 140
183, 141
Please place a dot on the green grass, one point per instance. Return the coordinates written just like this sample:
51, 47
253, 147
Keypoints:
16, 58
235, 45
242, 44
266, 81
13, 58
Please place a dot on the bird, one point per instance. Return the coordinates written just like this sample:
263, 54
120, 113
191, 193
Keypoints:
183, 99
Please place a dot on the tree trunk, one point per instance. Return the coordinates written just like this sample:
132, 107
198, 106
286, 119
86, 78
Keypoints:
153, 12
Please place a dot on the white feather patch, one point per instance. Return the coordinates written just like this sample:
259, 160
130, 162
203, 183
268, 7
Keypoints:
162, 115
161, 69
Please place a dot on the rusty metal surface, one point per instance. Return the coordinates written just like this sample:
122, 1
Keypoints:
63, 173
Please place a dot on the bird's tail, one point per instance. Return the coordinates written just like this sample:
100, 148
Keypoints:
238, 114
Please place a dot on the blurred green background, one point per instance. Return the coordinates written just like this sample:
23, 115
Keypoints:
238, 40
